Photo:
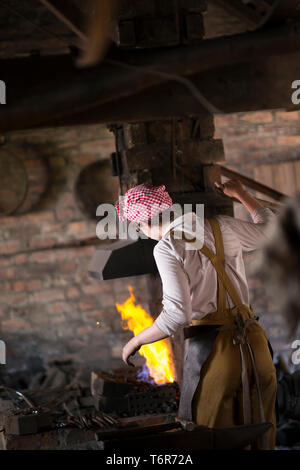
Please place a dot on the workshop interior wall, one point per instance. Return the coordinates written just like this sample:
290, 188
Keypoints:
49, 306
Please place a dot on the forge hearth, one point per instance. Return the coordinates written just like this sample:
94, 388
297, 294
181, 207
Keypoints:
64, 409
131, 397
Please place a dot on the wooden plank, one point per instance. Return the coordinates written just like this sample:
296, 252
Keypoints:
284, 176
196, 152
253, 184
191, 153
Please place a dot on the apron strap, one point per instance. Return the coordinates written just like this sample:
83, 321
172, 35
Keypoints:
219, 265
221, 257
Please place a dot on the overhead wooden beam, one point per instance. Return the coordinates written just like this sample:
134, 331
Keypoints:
68, 13
234, 74
243, 87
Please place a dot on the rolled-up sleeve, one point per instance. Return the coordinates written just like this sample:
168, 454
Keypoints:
251, 235
176, 291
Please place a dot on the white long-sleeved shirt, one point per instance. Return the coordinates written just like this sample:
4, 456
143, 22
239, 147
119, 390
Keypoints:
188, 277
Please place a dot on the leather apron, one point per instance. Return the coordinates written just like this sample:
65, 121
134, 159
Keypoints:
201, 334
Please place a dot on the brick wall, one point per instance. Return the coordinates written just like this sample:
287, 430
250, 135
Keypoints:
49, 306
265, 146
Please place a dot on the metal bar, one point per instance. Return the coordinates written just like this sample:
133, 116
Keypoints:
251, 183
137, 431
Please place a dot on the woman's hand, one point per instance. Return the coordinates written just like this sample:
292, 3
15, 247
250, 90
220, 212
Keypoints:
232, 188
130, 349
149, 335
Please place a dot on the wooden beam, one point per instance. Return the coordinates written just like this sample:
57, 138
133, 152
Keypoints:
251, 183
67, 12
275, 206
246, 87
38, 96
238, 9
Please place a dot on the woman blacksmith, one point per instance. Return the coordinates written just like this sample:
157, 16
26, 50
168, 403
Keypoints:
228, 374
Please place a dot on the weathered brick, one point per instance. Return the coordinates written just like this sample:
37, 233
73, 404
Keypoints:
73, 293
288, 140
249, 144
96, 288
83, 331
65, 200
116, 351
59, 307
287, 116
42, 257
15, 324
88, 304
258, 116
224, 120
80, 226
106, 300
54, 228
42, 242
18, 299
21, 259
94, 314
82, 251
41, 216
57, 319
11, 246
8, 273
5, 261
48, 295
65, 214
68, 267
33, 284
19, 286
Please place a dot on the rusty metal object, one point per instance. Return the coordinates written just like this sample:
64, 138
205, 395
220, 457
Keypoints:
200, 438
95, 185
27, 424
19, 394
14, 182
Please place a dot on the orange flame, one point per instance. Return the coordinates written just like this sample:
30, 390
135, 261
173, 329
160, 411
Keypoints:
158, 354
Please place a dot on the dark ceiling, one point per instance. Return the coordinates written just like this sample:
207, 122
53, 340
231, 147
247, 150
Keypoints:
28, 27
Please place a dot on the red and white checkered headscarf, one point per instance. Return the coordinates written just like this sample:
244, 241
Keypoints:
143, 202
